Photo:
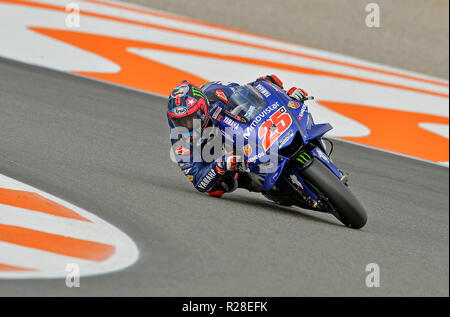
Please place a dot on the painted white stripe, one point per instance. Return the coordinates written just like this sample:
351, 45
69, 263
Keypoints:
53, 265
49, 264
16, 18
72, 228
45, 51
445, 164
228, 34
441, 129
323, 87
91, 25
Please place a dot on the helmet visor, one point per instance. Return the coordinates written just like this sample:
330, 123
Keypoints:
188, 126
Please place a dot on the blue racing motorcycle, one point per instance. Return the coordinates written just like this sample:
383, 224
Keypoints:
285, 154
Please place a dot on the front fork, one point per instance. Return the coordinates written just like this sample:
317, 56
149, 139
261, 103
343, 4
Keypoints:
293, 176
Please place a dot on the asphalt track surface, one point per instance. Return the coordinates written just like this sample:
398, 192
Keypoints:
106, 149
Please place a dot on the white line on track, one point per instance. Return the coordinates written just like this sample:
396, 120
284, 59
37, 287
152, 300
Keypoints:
47, 262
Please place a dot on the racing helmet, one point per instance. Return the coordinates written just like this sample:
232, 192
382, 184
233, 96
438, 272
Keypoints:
188, 108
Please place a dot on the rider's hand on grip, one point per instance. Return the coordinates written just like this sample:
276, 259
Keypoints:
229, 163
272, 78
297, 94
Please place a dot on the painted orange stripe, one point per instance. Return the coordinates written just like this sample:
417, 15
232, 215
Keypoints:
6, 267
134, 70
150, 25
35, 202
389, 128
90, 42
322, 59
83, 249
396, 131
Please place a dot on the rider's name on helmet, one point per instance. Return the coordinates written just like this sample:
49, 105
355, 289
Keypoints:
179, 111
231, 123
259, 117
263, 90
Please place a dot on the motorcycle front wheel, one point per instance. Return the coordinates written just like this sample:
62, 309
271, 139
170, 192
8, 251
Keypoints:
347, 207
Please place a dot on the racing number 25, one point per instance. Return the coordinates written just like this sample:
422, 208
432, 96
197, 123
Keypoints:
274, 127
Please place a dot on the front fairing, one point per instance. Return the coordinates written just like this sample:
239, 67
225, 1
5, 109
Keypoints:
264, 158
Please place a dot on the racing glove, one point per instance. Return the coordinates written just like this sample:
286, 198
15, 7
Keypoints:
273, 79
226, 184
227, 163
297, 93
226, 167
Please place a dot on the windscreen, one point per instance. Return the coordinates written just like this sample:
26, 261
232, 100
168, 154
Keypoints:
245, 103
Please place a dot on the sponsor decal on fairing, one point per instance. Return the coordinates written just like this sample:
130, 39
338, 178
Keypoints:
231, 123
293, 105
259, 117
263, 90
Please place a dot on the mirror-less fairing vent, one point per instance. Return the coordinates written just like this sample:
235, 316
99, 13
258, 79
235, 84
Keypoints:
292, 149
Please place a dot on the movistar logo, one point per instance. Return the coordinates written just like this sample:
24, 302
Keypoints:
259, 117
303, 157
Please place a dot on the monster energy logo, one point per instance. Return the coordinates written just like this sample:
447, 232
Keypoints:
303, 157
197, 92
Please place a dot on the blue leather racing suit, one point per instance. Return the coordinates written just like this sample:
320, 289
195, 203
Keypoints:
208, 176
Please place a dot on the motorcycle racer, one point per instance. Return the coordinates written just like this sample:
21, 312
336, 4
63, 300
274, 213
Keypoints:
189, 103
